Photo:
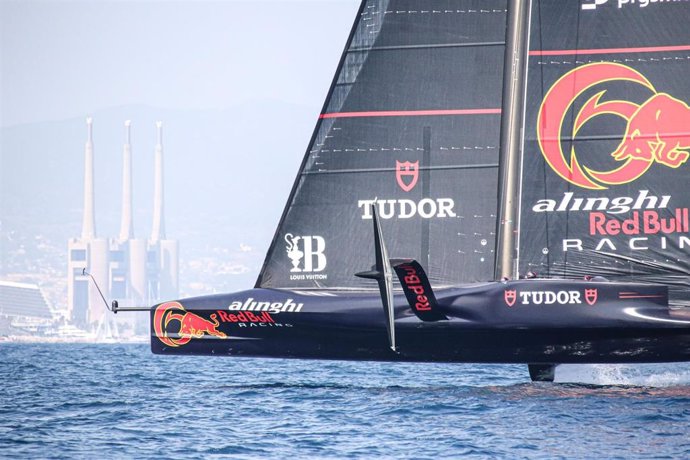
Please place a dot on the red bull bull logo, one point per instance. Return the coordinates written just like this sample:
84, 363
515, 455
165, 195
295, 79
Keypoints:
657, 130
175, 326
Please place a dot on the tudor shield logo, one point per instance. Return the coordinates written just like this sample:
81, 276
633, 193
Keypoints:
510, 295
407, 174
591, 296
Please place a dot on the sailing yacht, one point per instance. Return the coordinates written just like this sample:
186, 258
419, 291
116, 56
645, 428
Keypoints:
488, 181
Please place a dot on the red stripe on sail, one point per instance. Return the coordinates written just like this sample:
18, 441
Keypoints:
641, 296
648, 49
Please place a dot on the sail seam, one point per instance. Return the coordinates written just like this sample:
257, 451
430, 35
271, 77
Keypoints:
424, 46
470, 11
618, 61
398, 149
411, 113
428, 168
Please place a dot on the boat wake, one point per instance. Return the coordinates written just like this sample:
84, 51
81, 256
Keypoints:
643, 375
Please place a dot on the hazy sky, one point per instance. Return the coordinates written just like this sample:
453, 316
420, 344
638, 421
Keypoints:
238, 85
61, 59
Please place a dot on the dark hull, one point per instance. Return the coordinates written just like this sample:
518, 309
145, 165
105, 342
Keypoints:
459, 345
616, 323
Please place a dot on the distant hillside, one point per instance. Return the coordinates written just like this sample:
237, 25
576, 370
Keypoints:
227, 174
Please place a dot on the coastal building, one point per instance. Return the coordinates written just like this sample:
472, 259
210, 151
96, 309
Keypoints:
135, 271
23, 308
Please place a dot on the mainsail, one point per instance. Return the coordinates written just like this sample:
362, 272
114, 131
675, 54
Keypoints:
412, 121
605, 183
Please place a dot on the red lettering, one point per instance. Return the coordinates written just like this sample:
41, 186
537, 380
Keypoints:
651, 222
412, 279
223, 316
419, 290
613, 227
596, 221
599, 224
422, 306
245, 317
668, 225
632, 226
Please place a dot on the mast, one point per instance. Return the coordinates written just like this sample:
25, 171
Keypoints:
512, 109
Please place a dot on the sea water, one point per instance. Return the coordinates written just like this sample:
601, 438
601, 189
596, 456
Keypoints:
120, 401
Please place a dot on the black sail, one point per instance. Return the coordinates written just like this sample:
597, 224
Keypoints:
606, 176
412, 120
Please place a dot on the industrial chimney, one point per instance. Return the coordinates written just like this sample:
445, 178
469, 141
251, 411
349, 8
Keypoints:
88, 229
158, 230
127, 225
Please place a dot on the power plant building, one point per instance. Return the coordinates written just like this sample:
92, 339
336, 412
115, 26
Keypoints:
135, 271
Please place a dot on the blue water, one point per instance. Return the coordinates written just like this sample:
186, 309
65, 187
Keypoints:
120, 401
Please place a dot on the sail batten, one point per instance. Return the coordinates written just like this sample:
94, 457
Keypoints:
427, 168
412, 113
426, 46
